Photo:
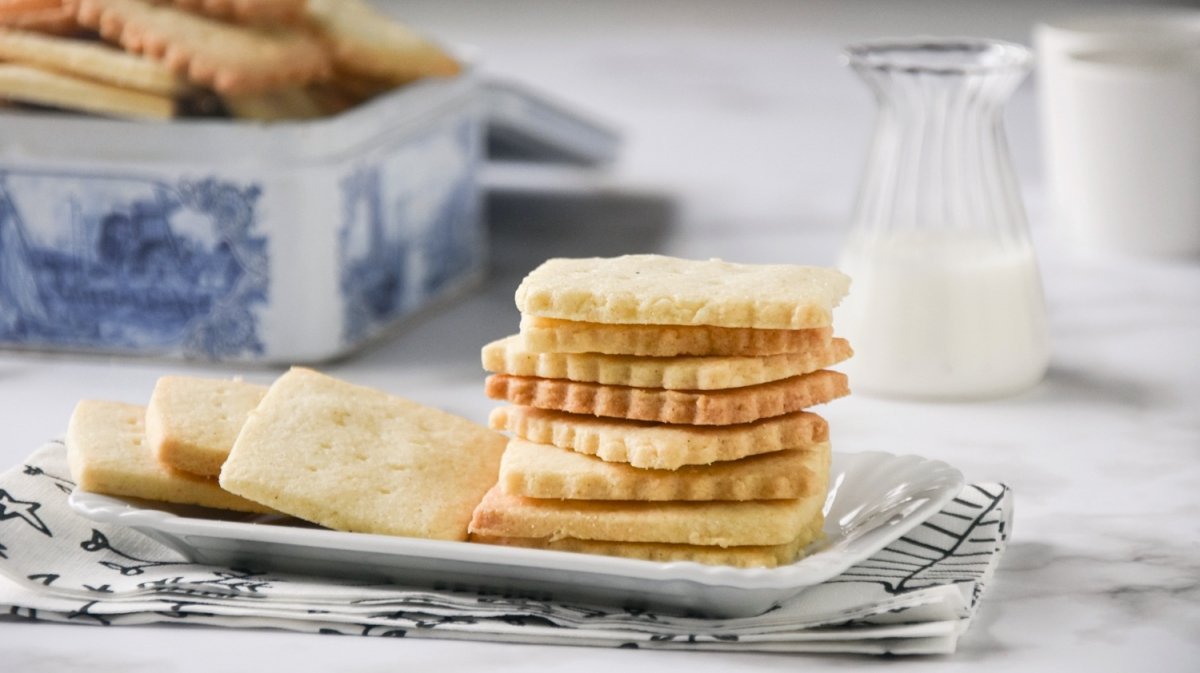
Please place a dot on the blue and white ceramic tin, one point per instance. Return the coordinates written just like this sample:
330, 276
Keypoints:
220, 240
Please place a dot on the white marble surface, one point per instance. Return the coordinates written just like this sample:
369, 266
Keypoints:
744, 140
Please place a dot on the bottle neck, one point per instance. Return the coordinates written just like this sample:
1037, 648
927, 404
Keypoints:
939, 164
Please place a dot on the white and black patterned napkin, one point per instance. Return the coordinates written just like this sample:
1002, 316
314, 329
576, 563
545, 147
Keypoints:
915, 597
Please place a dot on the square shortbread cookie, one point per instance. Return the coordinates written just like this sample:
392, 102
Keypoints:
658, 446
763, 556
108, 453
724, 524
191, 423
658, 290
547, 335
707, 407
357, 459
545, 471
509, 356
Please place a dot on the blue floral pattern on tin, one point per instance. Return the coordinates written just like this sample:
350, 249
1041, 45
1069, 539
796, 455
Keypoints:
407, 237
128, 264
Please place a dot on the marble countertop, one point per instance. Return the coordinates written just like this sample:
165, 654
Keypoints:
744, 140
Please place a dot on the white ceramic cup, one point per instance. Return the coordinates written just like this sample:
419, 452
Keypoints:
1119, 98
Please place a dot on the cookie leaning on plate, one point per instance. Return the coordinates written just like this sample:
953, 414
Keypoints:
191, 423
356, 459
108, 453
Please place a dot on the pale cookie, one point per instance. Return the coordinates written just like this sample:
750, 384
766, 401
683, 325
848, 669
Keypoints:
366, 42
714, 407
247, 11
191, 423
547, 335
356, 459
657, 290
765, 556
90, 60
546, 471
661, 447
227, 57
724, 524
108, 453
27, 84
509, 356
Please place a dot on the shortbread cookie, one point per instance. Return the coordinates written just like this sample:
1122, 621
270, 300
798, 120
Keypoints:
108, 453
767, 556
53, 17
657, 290
88, 60
547, 335
366, 42
509, 356
547, 471
356, 459
27, 84
724, 524
714, 407
247, 11
191, 423
657, 446
230, 58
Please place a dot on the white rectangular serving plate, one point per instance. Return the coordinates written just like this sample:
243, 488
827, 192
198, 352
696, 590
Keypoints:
874, 498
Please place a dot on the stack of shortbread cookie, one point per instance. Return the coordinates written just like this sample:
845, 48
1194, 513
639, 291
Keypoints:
659, 410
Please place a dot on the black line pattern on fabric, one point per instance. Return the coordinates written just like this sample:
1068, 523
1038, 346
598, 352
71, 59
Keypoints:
84, 612
61, 483
25, 510
232, 582
30, 614
385, 631
942, 562
99, 542
177, 610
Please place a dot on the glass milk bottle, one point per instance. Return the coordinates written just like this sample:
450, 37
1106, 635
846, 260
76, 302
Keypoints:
946, 302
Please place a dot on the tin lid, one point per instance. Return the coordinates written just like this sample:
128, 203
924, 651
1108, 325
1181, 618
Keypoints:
524, 125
